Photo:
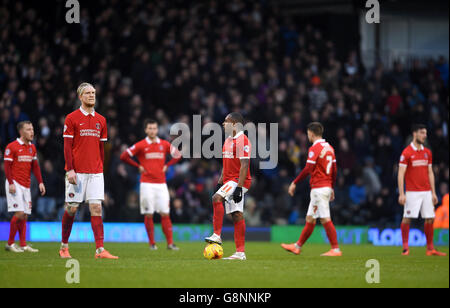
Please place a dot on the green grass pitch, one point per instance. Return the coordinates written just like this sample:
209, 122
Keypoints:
267, 266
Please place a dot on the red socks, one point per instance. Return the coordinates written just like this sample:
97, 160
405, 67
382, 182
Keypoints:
331, 234
219, 212
67, 223
97, 228
22, 232
14, 226
429, 233
166, 225
239, 235
306, 233
405, 235
150, 229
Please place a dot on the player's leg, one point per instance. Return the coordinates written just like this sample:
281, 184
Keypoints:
95, 196
17, 208
23, 222
146, 201
427, 212
308, 229
411, 211
327, 223
162, 204
237, 214
218, 214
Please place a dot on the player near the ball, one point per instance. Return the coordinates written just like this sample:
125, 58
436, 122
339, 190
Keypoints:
20, 160
321, 164
151, 154
85, 132
234, 182
415, 171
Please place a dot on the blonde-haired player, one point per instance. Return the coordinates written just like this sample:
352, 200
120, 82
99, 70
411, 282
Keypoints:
84, 133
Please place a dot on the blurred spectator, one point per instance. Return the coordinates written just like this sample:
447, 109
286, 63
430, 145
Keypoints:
441, 220
358, 192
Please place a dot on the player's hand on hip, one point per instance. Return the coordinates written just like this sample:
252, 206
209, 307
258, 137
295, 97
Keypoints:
435, 199
12, 189
72, 177
237, 195
332, 195
142, 169
165, 168
42, 189
291, 190
402, 199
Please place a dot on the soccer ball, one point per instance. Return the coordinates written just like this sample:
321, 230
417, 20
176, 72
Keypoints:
213, 252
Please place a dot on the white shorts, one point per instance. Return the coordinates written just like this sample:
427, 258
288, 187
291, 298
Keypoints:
319, 206
419, 201
154, 198
226, 191
20, 201
90, 186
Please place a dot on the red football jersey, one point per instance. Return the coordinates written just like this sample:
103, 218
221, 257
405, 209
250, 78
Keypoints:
416, 162
152, 156
87, 131
321, 155
234, 149
21, 155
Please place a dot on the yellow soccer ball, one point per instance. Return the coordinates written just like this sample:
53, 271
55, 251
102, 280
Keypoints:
213, 251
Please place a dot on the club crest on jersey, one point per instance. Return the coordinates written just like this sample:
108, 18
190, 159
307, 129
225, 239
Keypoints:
247, 149
160, 148
15, 205
30, 150
426, 156
97, 125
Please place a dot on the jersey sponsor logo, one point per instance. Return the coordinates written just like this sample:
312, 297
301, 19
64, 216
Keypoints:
81, 124
154, 155
89, 133
227, 154
25, 158
420, 163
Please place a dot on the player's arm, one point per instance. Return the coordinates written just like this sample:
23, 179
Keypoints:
68, 135
305, 172
127, 157
9, 178
176, 157
237, 195
37, 173
432, 184
333, 178
401, 184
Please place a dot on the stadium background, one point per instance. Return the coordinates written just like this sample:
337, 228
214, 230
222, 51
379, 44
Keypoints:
286, 61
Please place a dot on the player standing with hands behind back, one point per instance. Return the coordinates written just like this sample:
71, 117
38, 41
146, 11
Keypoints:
416, 171
84, 133
321, 164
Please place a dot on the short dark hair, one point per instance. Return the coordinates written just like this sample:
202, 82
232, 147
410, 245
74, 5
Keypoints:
417, 127
21, 124
316, 128
236, 117
149, 121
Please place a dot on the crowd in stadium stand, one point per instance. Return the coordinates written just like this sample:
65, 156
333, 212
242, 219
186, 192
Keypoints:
169, 60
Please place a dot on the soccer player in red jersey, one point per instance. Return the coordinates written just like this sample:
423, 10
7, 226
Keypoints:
154, 196
416, 171
20, 159
84, 133
233, 183
321, 164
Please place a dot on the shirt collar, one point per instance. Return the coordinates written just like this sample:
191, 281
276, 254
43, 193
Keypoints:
416, 149
20, 141
317, 141
238, 134
150, 142
87, 113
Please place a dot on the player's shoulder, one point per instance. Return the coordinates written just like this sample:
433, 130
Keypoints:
12, 144
74, 114
100, 117
428, 150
